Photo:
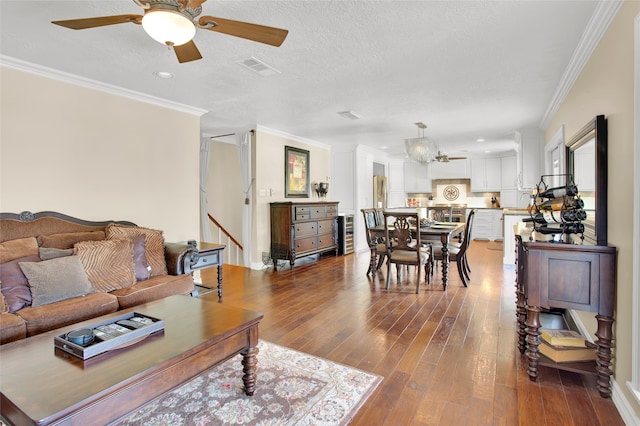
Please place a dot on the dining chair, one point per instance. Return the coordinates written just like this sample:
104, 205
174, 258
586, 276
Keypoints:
404, 246
459, 254
374, 218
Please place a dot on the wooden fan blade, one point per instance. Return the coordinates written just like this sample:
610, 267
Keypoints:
259, 33
81, 24
195, 3
457, 158
187, 52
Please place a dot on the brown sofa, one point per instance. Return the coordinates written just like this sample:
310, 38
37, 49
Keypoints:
57, 270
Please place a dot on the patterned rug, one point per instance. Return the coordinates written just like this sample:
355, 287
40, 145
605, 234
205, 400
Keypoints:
292, 388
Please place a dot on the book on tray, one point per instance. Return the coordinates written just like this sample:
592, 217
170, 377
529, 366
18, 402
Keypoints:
563, 338
568, 353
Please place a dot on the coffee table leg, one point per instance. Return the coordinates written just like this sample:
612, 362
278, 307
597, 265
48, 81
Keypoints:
249, 363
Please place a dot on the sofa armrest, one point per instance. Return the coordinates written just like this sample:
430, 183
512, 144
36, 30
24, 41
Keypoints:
179, 257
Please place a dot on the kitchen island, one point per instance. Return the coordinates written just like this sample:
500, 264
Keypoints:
513, 218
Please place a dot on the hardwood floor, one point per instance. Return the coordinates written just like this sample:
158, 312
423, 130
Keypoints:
447, 358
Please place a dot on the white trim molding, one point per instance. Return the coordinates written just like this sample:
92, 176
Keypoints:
634, 384
292, 137
596, 27
76, 80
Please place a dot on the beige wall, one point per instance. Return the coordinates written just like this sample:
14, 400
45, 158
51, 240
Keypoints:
269, 174
225, 194
97, 156
605, 86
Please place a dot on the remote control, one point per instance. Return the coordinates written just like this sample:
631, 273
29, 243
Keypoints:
130, 324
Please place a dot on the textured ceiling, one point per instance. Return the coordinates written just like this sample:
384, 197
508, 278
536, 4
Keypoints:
468, 69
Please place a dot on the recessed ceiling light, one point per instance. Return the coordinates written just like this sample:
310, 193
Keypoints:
487, 151
163, 74
479, 140
384, 147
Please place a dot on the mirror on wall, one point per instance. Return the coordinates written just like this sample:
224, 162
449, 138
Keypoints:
587, 163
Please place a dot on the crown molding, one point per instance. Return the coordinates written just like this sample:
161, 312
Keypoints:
597, 26
281, 134
50, 73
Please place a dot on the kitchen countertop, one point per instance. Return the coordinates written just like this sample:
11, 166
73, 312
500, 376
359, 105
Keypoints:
519, 212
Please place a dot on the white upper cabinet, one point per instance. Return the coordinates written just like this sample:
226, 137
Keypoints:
454, 169
396, 175
529, 142
417, 177
485, 174
509, 172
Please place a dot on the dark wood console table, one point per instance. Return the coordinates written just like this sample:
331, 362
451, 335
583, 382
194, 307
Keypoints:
555, 275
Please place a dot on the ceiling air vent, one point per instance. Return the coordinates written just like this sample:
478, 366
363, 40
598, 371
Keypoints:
258, 67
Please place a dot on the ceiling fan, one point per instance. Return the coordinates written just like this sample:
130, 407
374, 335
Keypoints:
173, 23
443, 158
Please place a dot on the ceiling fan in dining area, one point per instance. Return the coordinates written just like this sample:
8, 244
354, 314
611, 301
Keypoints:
174, 23
443, 158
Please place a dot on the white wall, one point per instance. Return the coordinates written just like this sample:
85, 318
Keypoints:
97, 156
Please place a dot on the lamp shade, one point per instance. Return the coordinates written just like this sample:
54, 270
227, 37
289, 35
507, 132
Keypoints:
168, 27
420, 150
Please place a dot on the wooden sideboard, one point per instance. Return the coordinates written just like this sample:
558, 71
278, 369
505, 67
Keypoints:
302, 229
569, 276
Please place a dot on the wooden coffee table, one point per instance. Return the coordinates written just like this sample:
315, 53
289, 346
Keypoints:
43, 385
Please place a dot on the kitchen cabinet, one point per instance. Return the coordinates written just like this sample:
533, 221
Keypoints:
454, 169
485, 174
487, 224
417, 177
509, 244
396, 196
509, 172
529, 143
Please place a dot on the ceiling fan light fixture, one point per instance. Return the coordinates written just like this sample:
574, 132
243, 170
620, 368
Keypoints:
168, 27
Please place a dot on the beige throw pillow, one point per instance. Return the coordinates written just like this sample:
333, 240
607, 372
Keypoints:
108, 263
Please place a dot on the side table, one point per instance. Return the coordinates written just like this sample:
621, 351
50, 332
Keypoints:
208, 256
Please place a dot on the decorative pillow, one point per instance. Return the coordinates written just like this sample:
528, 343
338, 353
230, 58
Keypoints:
68, 239
3, 304
140, 264
56, 279
154, 244
15, 249
108, 263
15, 286
54, 253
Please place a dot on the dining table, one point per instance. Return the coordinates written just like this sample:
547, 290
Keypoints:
443, 231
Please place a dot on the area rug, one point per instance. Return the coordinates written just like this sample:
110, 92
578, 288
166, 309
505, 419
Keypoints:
292, 388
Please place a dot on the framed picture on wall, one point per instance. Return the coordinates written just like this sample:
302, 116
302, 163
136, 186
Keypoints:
296, 172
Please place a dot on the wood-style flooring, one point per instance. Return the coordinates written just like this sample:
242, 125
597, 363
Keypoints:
447, 358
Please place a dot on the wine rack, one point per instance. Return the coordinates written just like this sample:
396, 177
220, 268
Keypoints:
557, 211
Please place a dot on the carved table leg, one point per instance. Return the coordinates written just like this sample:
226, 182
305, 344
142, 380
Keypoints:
445, 261
372, 262
219, 283
533, 341
603, 351
521, 315
249, 363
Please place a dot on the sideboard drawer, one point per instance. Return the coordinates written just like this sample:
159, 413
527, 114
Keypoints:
326, 240
326, 226
318, 212
332, 211
305, 244
306, 228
